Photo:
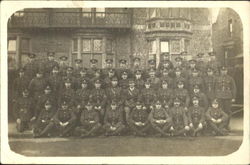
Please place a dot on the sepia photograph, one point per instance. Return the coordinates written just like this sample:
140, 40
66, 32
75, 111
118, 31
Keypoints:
125, 81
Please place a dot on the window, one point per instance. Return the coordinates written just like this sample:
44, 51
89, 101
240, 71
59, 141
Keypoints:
12, 45
164, 46
97, 46
100, 12
86, 45
74, 45
152, 13
230, 27
19, 13
86, 12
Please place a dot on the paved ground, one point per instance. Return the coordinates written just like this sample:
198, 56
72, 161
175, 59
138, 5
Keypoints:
127, 146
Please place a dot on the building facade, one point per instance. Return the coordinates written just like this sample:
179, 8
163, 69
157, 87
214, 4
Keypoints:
103, 33
227, 39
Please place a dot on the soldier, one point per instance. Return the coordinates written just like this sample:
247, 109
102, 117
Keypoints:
19, 84
151, 67
78, 68
130, 96
165, 76
179, 76
55, 81
138, 120
23, 111
109, 66
50, 63
225, 91
70, 75
155, 81
108, 78
139, 82
114, 92
122, 68
148, 96
136, 64
160, 119
209, 80
97, 76
214, 63
179, 62
48, 95
165, 62
217, 119
63, 65
93, 68
82, 96
113, 120
203, 101
83, 76
182, 94
195, 79
89, 122
64, 120
124, 81
44, 124
165, 95
196, 116
99, 98
67, 94
37, 86
192, 66
179, 119
31, 67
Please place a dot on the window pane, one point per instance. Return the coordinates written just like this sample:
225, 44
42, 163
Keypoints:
100, 12
25, 44
97, 46
75, 45
164, 46
86, 12
86, 45
152, 13
12, 45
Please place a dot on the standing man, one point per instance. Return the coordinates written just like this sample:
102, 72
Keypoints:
78, 68
63, 65
31, 67
93, 68
209, 80
225, 91
19, 84
109, 66
55, 80
122, 68
50, 63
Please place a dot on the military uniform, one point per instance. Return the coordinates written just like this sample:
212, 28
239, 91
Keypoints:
70, 75
225, 91
179, 76
114, 93
155, 81
209, 85
160, 120
108, 78
31, 67
200, 96
182, 94
63, 66
122, 69
82, 77
124, 81
82, 95
37, 86
148, 96
165, 95
165, 76
67, 94
23, 111
55, 81
138, 120
179, 119
139, 82
113, 120
19, 84
89, 122
93, 68
109, 66
44, 124
195, 80
99, 98
50, 63
196, 117
64, 120
78, 68
217, 119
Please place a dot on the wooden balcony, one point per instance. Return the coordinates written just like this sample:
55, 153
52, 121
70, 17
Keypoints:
179, 25
47, 19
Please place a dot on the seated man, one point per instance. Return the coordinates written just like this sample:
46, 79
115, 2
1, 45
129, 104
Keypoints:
89, 122
44, 123
196, 116
64, 120
217, 119
113, 120
138, 120
23, 111
148, 95
160, 119
179, 119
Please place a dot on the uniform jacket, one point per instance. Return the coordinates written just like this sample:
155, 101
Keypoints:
179, 117
217, 113
66, 115
209, 86
166, 95
89, 115
183, 95
225, 87
148, 96
23, 108
203, 101
159, 114
19, 84
139, 115
113, 117
98, 96
196, 114
37, 86
114, 93
130, 97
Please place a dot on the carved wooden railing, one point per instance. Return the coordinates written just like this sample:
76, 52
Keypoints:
43, 19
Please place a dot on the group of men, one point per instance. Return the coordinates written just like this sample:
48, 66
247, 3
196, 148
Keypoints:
54, 99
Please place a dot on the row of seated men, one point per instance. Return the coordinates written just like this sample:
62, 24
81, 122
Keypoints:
90, 121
